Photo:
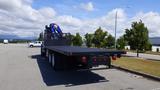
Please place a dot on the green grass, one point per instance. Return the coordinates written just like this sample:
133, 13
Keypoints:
140, 65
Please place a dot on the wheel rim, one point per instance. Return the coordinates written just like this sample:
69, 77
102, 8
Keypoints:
53, 62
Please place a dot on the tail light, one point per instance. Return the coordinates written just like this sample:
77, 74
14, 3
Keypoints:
114, 57
94, 59
84, 59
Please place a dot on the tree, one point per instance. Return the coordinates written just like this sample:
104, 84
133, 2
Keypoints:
110, 41
40, 38
70, 38
77, 40
99, 37
137, 36
121, 42
88, 39
148, 46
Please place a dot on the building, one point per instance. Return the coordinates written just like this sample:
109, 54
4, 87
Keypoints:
127, 47
156, 48
155, 41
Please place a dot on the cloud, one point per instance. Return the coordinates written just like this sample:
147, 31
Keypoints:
87, 6
10, 5
19, 18
151, 20
47, 12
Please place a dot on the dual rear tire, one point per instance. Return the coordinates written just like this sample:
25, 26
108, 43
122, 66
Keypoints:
55, 60
51, 60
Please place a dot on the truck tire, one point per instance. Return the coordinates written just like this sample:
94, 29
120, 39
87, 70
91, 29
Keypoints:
57, 62
47, 53
42, 52
109, 62
50, 58
53, 61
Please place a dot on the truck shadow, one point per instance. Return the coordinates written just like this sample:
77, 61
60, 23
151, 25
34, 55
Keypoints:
67, 78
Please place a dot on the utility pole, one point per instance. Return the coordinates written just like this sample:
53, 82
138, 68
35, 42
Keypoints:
115, 30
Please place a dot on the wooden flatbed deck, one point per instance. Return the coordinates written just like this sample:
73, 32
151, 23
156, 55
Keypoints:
76, 50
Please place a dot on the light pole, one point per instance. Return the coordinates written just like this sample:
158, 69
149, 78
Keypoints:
116, 15
115, 42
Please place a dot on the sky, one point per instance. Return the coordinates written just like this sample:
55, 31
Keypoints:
27, 18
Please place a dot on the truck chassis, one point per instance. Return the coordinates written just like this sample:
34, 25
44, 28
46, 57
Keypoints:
62, 55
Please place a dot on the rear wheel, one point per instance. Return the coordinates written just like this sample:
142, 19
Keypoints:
43, 52
57, 62
50, 58
53, 61
47, 53
109, 62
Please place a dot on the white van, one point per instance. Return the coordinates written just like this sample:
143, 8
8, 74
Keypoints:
5, 41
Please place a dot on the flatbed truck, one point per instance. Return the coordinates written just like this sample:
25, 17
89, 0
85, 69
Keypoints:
61, 55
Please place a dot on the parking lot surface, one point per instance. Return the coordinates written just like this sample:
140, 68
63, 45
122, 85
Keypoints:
22, 68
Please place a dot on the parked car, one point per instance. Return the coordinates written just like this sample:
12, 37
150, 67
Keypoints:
35, 44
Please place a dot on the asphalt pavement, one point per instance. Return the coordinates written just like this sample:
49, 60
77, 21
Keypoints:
22, 68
